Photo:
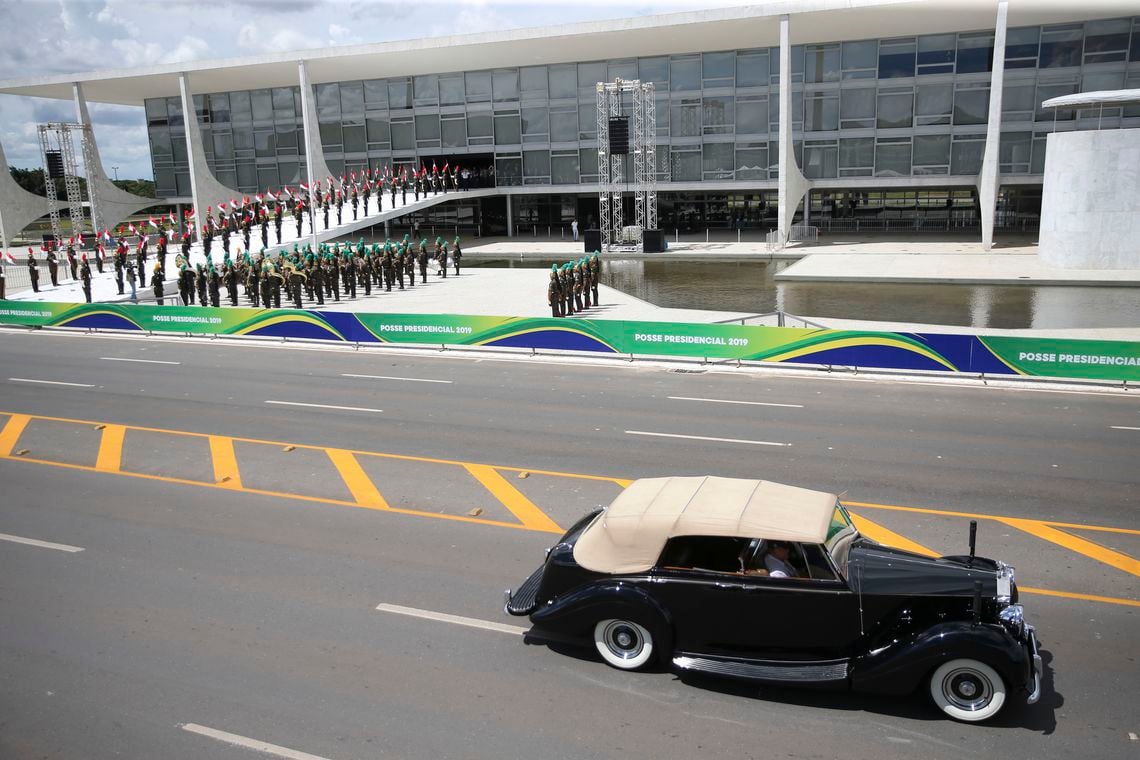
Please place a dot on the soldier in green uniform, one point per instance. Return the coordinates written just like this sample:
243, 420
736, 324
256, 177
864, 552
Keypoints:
84, 276
553, 296
456, 255
214, 282
156, 283
200, 285
423, 260
595, 274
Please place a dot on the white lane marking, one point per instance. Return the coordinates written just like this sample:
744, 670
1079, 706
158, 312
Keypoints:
140, 361
443, 617
1123, 427
326, 406
386, 377
49, 382
733, 401
706, 438
244, 741
41, 544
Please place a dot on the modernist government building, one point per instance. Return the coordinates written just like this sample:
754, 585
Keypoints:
921, 115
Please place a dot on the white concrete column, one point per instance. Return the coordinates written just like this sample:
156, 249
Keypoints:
18, 207
109, 203
988, 178
205, 190
791, 184
316, 170
510, 221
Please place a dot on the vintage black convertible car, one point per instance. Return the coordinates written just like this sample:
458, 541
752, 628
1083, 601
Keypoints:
760, 581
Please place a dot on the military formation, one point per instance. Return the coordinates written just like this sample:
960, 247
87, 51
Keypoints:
303, 275
573, 286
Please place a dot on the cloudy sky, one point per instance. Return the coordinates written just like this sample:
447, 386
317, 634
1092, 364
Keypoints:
45, 37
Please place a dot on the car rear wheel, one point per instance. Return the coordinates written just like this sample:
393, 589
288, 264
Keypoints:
967, 690
624, 644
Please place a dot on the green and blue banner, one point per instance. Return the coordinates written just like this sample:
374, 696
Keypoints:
997, 355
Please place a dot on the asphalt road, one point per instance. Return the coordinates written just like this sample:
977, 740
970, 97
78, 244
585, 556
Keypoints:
231, 607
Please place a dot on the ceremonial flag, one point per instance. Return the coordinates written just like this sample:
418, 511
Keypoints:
152, 222
221, 207
131, 227
170, 216
9, 257
81, 243
306, 187
107, 235
272, 197
190, 213
445, 167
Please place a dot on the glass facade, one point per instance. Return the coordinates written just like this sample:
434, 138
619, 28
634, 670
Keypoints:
900, 107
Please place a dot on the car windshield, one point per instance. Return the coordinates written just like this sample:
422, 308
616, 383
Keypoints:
840, 534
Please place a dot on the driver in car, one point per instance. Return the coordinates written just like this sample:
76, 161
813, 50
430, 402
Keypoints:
776, 561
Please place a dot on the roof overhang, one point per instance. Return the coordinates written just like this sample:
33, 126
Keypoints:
744, 27
1096, 98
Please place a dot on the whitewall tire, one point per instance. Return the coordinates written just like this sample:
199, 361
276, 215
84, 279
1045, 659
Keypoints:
967, 690
623, 644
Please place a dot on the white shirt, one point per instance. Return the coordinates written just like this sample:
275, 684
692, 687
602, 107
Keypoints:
778, 568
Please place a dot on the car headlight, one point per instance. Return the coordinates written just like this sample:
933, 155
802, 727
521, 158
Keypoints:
1004, 583
1013, 618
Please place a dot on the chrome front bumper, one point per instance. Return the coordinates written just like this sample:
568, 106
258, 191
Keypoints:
1035, 664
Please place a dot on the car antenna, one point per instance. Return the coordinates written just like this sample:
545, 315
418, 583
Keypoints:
973, 539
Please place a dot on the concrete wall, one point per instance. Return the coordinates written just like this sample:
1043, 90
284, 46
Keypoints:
1090, 203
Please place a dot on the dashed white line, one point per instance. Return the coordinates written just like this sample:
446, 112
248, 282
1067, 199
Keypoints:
386, 377
733, 401
244, 741
706, 438
140, 361
49, 382
444, 617
326, 406
1123, 427
41, 544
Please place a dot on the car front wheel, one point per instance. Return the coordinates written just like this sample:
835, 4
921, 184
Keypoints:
967, 690
624, 644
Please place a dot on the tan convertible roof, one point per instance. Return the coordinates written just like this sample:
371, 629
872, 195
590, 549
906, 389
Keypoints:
630, 534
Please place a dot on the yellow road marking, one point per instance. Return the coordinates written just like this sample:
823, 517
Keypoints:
1083, 597
1076, 544
263, 492
513, 499
531, 517
11, 432
876, 532
356, 479
979, 516
110, 457
226, 472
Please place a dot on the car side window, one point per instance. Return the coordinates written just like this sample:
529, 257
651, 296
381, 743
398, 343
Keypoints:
717, 554
785, 559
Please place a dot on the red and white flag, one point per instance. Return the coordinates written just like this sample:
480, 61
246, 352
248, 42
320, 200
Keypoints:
132, 228
306, 187
9, 257
221, 207
152, 222
270, 194
81, 242
107, 235
170, 216
190, 213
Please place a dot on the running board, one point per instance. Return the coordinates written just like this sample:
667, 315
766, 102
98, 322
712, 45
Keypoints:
766, 670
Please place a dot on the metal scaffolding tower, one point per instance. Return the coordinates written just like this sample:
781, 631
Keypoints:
57, 136
613, 168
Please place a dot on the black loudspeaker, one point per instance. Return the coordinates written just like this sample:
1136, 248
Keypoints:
593, 240
54, 164
652, 241
619, 135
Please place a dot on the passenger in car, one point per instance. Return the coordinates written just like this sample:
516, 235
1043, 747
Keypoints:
776, 561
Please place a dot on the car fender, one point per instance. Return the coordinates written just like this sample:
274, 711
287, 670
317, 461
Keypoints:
900, 666
576, 613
